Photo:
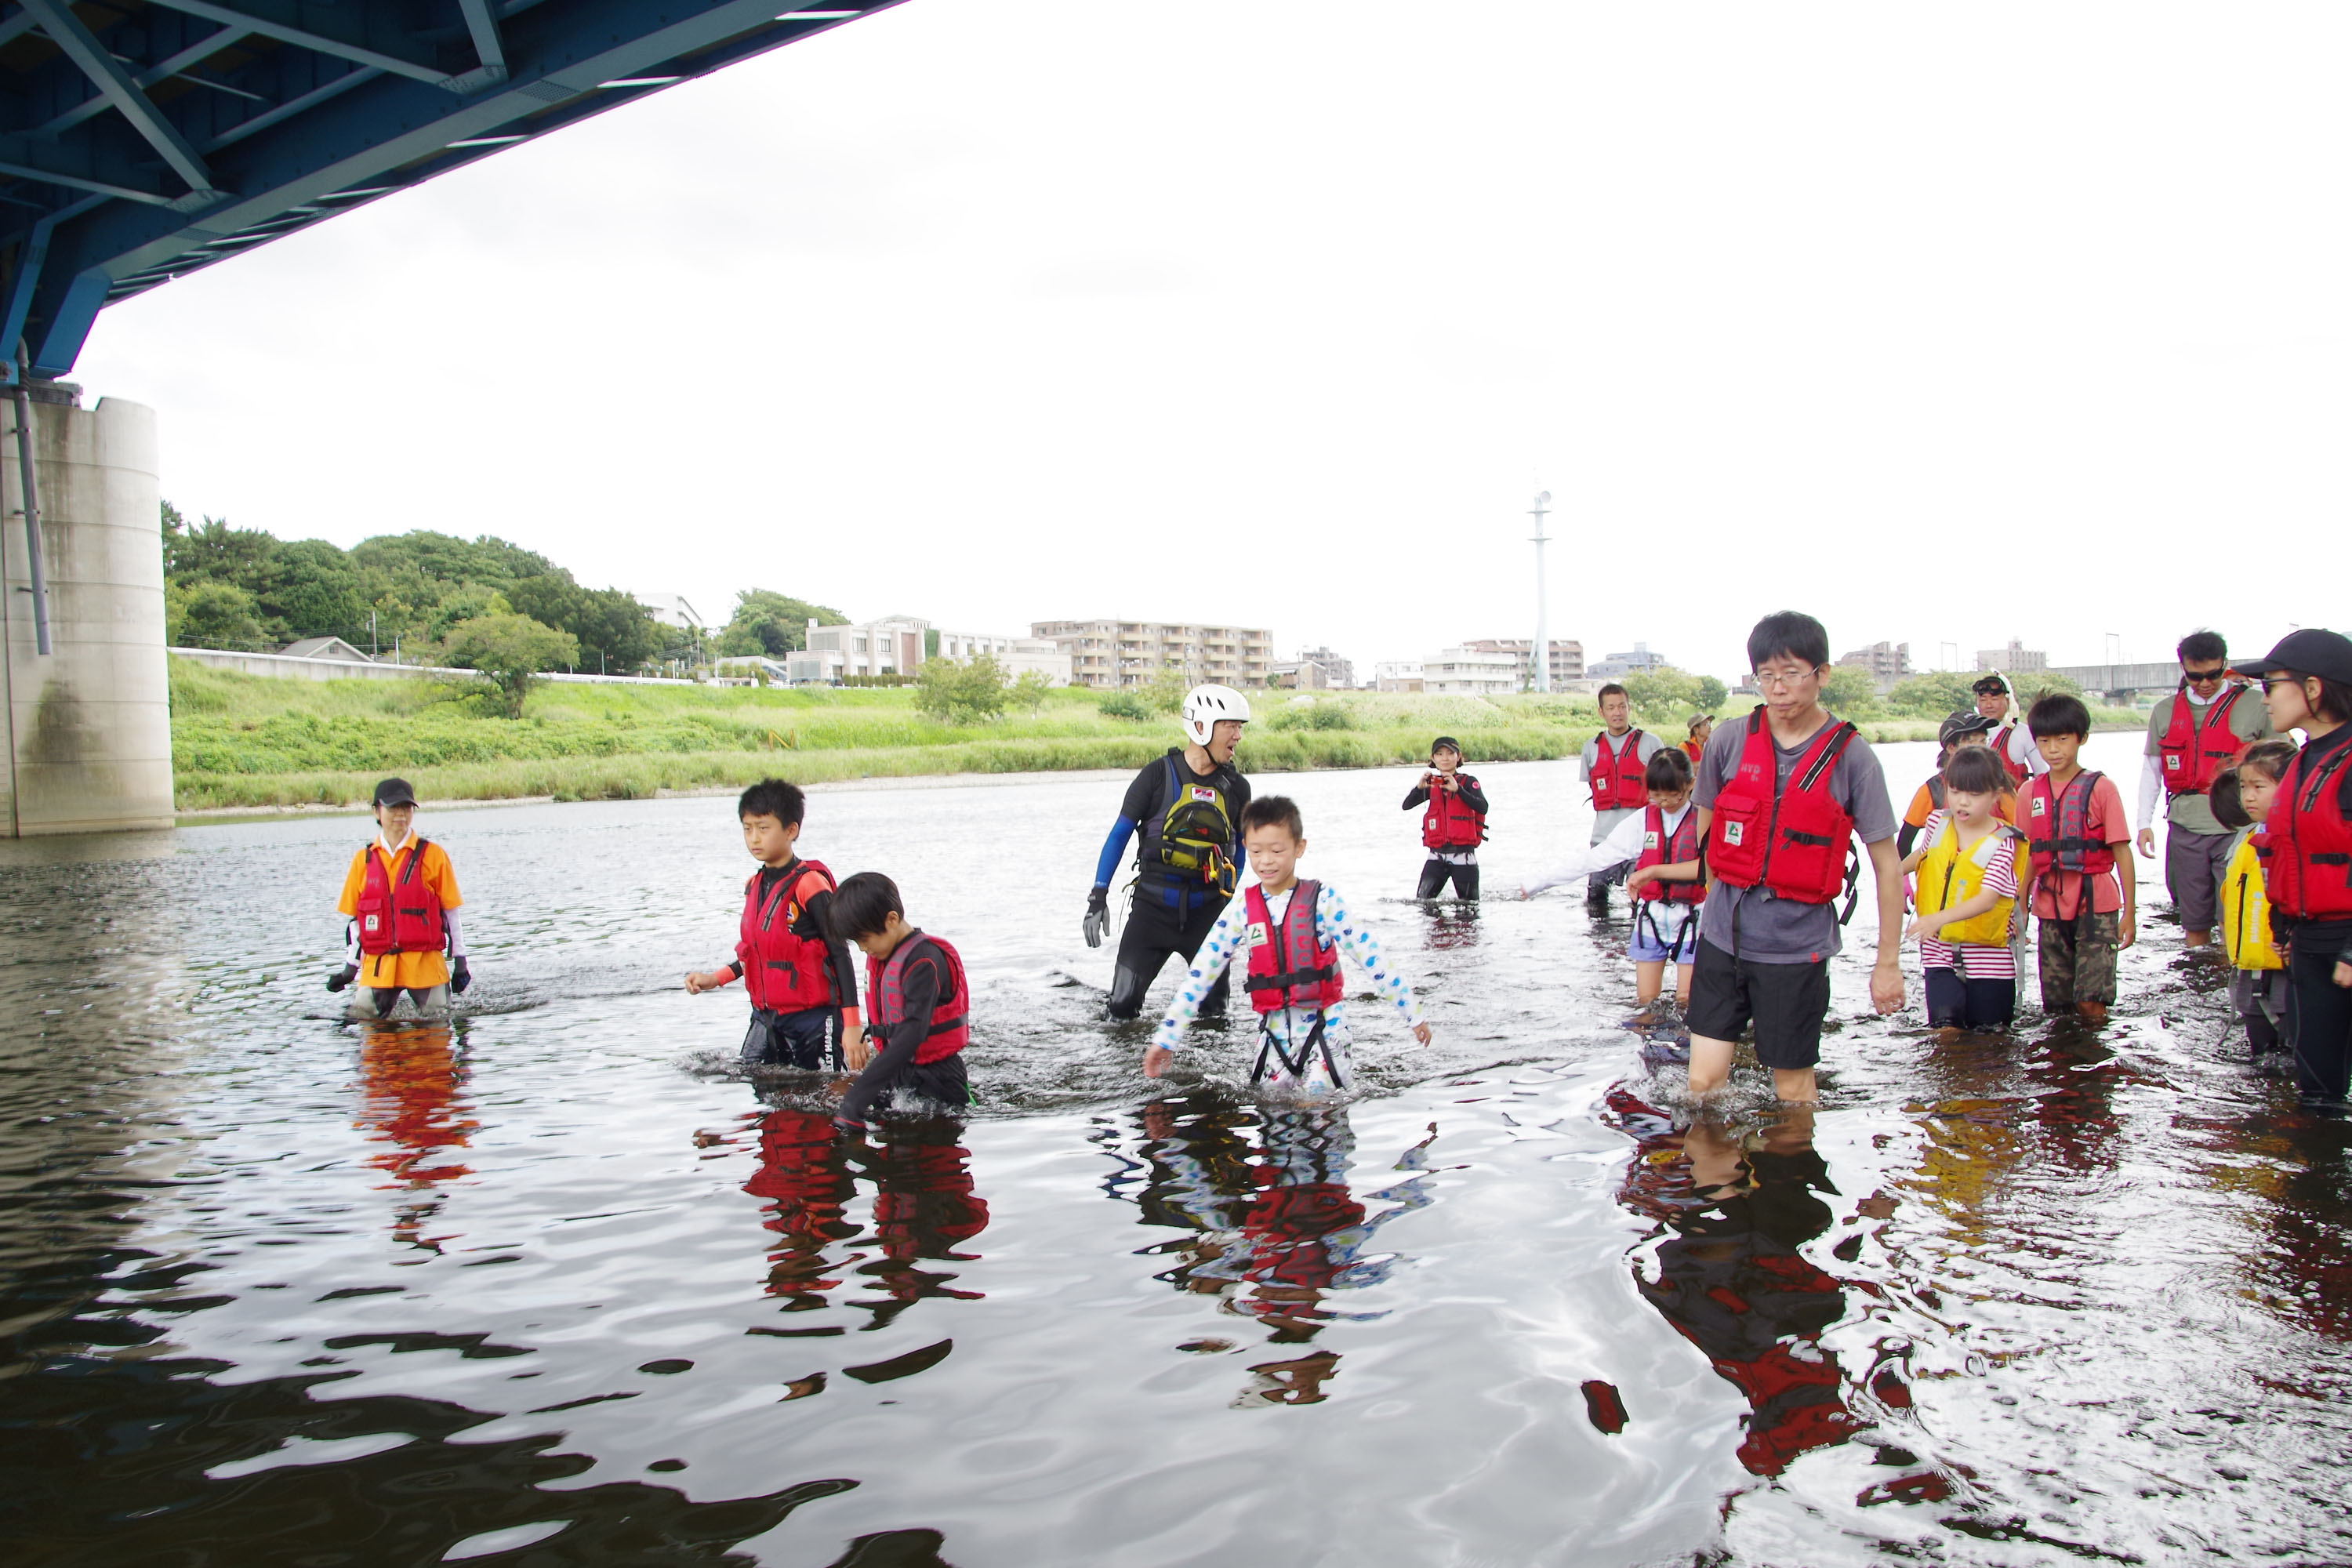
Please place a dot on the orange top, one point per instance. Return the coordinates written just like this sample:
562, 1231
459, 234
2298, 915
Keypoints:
385, 970
1915, 814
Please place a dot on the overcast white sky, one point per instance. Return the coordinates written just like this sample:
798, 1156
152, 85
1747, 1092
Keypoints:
1943, 323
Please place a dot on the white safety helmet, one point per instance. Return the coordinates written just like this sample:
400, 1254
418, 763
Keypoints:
1204, 705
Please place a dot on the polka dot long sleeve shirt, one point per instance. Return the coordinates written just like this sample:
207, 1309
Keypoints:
1228, 940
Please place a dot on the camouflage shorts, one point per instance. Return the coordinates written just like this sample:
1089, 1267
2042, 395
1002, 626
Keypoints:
2078, 961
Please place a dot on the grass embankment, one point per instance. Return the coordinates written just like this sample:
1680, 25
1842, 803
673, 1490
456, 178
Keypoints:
253, 741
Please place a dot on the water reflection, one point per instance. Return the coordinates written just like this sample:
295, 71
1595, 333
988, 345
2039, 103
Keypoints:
413, 1076
1727, 1271
1274, 1229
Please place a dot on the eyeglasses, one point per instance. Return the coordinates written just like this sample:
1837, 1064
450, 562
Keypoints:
1781, 679
2205, 676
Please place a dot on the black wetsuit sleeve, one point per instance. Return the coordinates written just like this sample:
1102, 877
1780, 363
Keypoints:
1473, 796
897, 1053
1905, 837
839, 967
1240, 797
1143, 802
1417, 796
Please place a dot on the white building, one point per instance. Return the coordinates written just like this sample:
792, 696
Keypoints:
891, 646
1019, 656
1619, 665
1463, 672
670, 609
1397, 675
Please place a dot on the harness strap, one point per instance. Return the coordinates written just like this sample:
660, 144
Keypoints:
1296, 1066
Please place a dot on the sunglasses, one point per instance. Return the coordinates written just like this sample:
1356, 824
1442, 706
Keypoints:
2206, 676
2271, 681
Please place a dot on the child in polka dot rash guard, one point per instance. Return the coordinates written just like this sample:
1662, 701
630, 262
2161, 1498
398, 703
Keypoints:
1289, 935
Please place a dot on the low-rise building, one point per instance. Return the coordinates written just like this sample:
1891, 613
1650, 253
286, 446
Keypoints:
1567, 658
1618, 666
1019, 656
1463, 672
2014, 659
891, 646
335, 648
1110, 654
1338, 674
1887, 662
670, 609
1397, 675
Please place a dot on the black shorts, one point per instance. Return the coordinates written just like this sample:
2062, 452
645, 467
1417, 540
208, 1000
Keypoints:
1787, 1002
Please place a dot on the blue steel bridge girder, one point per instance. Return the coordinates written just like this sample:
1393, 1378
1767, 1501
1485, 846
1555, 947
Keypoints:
141, 139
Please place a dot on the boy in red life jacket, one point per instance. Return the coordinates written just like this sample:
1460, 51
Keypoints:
1782, 796
1615, 770
1289, 933
1453, 823
921, 1004
1661, 843
2084, 896
400, 902
802, 981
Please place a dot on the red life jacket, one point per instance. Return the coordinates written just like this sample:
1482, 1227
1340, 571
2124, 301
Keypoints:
2017, 772
951, 1014
782, 970
1276, 980
2308, 876
1795, 841
399, 912
2194, 752
2060, 834
1660, 847
1449, 822
1620, 779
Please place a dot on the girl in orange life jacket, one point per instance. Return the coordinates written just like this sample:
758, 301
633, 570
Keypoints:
920, 999
803, 990
1288, 933
1616, 762
2241, 797
1453, 823
1660, 842
2307, 686
399, 900
1782, 796
2085, 892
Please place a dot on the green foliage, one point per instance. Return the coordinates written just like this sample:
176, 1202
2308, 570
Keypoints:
1849, 693
2036, 683
955, 691
1710, 694
1127, 705
774, 623
1932, 694
1661, 691
1312, 715
1164, 694
509, 650
616, 634
211, 615
1032, 690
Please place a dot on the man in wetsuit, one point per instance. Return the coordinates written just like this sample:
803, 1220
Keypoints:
1188, 808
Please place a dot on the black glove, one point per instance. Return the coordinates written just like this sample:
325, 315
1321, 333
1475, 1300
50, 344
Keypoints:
342, 978
1098, 921
460, 976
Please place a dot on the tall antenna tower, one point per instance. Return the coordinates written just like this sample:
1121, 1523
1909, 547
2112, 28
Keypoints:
1543, 635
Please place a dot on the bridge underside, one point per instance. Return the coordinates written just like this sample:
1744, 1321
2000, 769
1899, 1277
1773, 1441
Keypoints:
141, 139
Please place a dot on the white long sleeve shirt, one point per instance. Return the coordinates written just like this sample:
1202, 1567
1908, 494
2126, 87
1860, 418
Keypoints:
1230, 936
1623, 847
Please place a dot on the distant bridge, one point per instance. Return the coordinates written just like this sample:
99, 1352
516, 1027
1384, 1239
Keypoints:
141, 140
2122, 679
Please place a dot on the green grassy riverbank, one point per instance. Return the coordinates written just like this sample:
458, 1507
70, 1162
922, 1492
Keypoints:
247, 741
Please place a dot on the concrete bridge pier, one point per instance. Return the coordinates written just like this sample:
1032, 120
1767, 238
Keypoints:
89, 724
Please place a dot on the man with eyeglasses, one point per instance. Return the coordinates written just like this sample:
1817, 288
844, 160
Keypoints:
2193, 735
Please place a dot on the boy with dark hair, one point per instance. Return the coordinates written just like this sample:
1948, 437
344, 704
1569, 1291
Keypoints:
921, 1002
1615, 764
1781, 798
1661, 844
2193, 735
1288, 934
2084, 892
399, 906
2242, 797
1452, 826
803, 990
1966, 864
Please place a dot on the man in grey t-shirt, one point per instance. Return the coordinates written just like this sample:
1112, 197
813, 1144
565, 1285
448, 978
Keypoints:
2197, 849
1763, 957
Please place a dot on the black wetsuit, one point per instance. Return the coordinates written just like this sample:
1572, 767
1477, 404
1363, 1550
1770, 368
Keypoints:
1436, 872
1172, 913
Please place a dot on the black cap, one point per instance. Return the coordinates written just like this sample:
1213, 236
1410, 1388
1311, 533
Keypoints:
1987, 683
1967, 722
2312, 651
394, 791
1445, 744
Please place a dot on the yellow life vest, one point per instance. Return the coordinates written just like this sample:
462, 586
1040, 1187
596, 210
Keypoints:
1947, 878
2246, 913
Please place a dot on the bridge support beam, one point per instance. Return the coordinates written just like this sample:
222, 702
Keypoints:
88, 725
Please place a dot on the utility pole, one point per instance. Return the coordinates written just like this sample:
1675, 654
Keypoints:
373, 651
1543, 635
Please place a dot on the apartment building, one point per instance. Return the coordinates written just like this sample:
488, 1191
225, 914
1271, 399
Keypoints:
1019, 656
1618, 666
1567, 658
891, 646
1110, 654
1397, 675
2014, 659
1887, 662
1463, 672
1338, 673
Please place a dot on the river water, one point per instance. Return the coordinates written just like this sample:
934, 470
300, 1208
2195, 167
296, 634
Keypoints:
557, 1286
